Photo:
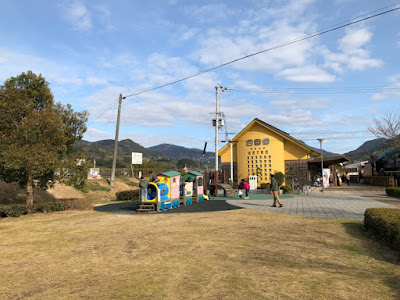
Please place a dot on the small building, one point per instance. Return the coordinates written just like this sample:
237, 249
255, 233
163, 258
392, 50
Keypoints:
261, 149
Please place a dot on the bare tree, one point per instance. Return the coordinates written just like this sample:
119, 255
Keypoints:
388, 126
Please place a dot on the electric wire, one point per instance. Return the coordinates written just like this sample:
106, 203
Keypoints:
310, 36
330, 29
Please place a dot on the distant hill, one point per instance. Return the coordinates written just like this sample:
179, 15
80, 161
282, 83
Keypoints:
102, 152
367, 149
125, 147
178, 152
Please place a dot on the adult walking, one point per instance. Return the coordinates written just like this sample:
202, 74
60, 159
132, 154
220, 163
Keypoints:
275, 191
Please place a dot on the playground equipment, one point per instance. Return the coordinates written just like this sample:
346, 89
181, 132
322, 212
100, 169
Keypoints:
194, 181
172, 190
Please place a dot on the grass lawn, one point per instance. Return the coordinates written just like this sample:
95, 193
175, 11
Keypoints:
236, 254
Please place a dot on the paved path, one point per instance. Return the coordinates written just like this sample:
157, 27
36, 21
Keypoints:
337, 206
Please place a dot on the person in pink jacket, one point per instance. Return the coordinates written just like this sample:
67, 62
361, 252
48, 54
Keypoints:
245, 185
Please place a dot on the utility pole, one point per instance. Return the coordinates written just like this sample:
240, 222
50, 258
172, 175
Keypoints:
216, 139
116, 143
322, 164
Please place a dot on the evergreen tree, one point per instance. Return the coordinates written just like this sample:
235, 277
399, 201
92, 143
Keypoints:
36, 134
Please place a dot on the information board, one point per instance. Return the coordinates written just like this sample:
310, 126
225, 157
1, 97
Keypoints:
137, 158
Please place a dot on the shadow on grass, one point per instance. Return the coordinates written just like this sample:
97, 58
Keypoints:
377, 250
119, 207
131, 207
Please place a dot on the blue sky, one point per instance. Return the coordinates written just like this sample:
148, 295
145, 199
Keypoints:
92, 51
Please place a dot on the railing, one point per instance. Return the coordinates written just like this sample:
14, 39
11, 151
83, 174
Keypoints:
387, 181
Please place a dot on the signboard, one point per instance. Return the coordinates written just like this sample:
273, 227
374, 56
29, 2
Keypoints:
253, 182
137, 158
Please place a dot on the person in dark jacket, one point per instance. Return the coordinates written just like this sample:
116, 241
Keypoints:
275, 191
153, 177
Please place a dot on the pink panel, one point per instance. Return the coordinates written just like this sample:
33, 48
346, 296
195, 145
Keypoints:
200, 189
175, 187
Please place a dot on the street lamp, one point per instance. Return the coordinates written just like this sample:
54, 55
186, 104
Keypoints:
322, 163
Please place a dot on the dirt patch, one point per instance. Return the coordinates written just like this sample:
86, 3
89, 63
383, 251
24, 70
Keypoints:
62, 191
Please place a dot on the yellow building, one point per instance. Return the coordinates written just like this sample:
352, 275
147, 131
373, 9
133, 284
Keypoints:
261, 149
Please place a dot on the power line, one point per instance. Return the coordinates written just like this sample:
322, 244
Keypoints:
318, 33
331, 90
268, 49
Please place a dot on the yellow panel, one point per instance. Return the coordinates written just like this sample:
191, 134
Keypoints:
167, 181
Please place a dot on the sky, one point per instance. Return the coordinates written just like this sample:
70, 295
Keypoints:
330, 86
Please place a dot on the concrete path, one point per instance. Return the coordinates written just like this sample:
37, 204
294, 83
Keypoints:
337, 206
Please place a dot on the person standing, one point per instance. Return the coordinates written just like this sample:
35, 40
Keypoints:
275, 191
143, 184
348, 178
360, 177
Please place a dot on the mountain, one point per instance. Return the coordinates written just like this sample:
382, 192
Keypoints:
125, 147
178, 152
367, 149
102, 152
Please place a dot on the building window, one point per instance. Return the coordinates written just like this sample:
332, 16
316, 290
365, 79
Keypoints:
270, 170
265, 141
269, 156
257, 142
265, 165
249, 143
269, 166
249, 152
265, 156
254, 152
262, 152
266, 152
269, 161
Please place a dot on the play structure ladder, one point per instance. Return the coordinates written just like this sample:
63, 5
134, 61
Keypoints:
228, 190
147, 207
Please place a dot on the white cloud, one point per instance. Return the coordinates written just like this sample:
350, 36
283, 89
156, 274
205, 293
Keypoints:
96, 81
306, 74
14, 63
93, 134
353, 54
77, 14
207, 13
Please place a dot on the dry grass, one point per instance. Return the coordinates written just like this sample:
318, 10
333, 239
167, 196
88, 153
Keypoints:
238, 254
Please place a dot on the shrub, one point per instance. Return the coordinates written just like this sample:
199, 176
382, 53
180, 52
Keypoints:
395, 192
3, 213
16, 210
280, 178
286, 188
128, 195
77, 203
50, 207
384, 223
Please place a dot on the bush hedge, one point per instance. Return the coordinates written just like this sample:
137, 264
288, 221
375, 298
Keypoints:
44, 207
384, 223
393, 191
131, 195
286, 188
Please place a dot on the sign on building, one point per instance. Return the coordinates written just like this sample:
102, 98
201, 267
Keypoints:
253, 182
137, 158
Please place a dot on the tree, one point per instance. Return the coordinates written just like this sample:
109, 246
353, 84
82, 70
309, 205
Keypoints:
280, 177
36, 134
388, 127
